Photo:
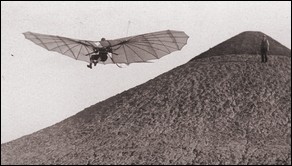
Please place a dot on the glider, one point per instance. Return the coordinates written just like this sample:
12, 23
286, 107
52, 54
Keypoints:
132, 49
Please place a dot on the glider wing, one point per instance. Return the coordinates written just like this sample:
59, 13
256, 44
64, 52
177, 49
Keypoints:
74, 48
142, 48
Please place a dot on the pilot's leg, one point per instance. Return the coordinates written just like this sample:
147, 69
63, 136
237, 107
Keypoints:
96, 60
90, 64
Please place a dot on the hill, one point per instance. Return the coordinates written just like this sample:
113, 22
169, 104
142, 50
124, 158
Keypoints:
227, 109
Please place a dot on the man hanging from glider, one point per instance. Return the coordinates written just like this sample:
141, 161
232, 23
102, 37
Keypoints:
99, 54
133, 49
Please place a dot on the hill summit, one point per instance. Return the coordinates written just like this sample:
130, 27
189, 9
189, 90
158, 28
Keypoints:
223, 107
248, 42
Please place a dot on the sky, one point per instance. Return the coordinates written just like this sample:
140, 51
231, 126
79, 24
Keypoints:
40, 88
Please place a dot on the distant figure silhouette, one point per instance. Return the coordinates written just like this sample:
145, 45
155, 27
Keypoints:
265, 48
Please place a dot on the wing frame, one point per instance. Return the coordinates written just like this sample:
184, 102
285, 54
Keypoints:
145, 47
133, 49
74, 48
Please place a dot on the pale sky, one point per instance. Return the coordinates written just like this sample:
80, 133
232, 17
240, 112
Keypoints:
40, 88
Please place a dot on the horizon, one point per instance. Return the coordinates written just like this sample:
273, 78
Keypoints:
39, 88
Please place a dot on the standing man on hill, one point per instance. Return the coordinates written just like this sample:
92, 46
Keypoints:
265, 48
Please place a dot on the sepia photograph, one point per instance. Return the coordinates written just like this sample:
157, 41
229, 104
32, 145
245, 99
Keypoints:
146, 83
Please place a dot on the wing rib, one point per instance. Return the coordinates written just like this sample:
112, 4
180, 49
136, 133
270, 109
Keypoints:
173, 38
125, 54
67, 46
147, 45
40, 40
135, 53
144, 50
162, 43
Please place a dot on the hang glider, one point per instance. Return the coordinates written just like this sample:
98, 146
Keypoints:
133, 49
